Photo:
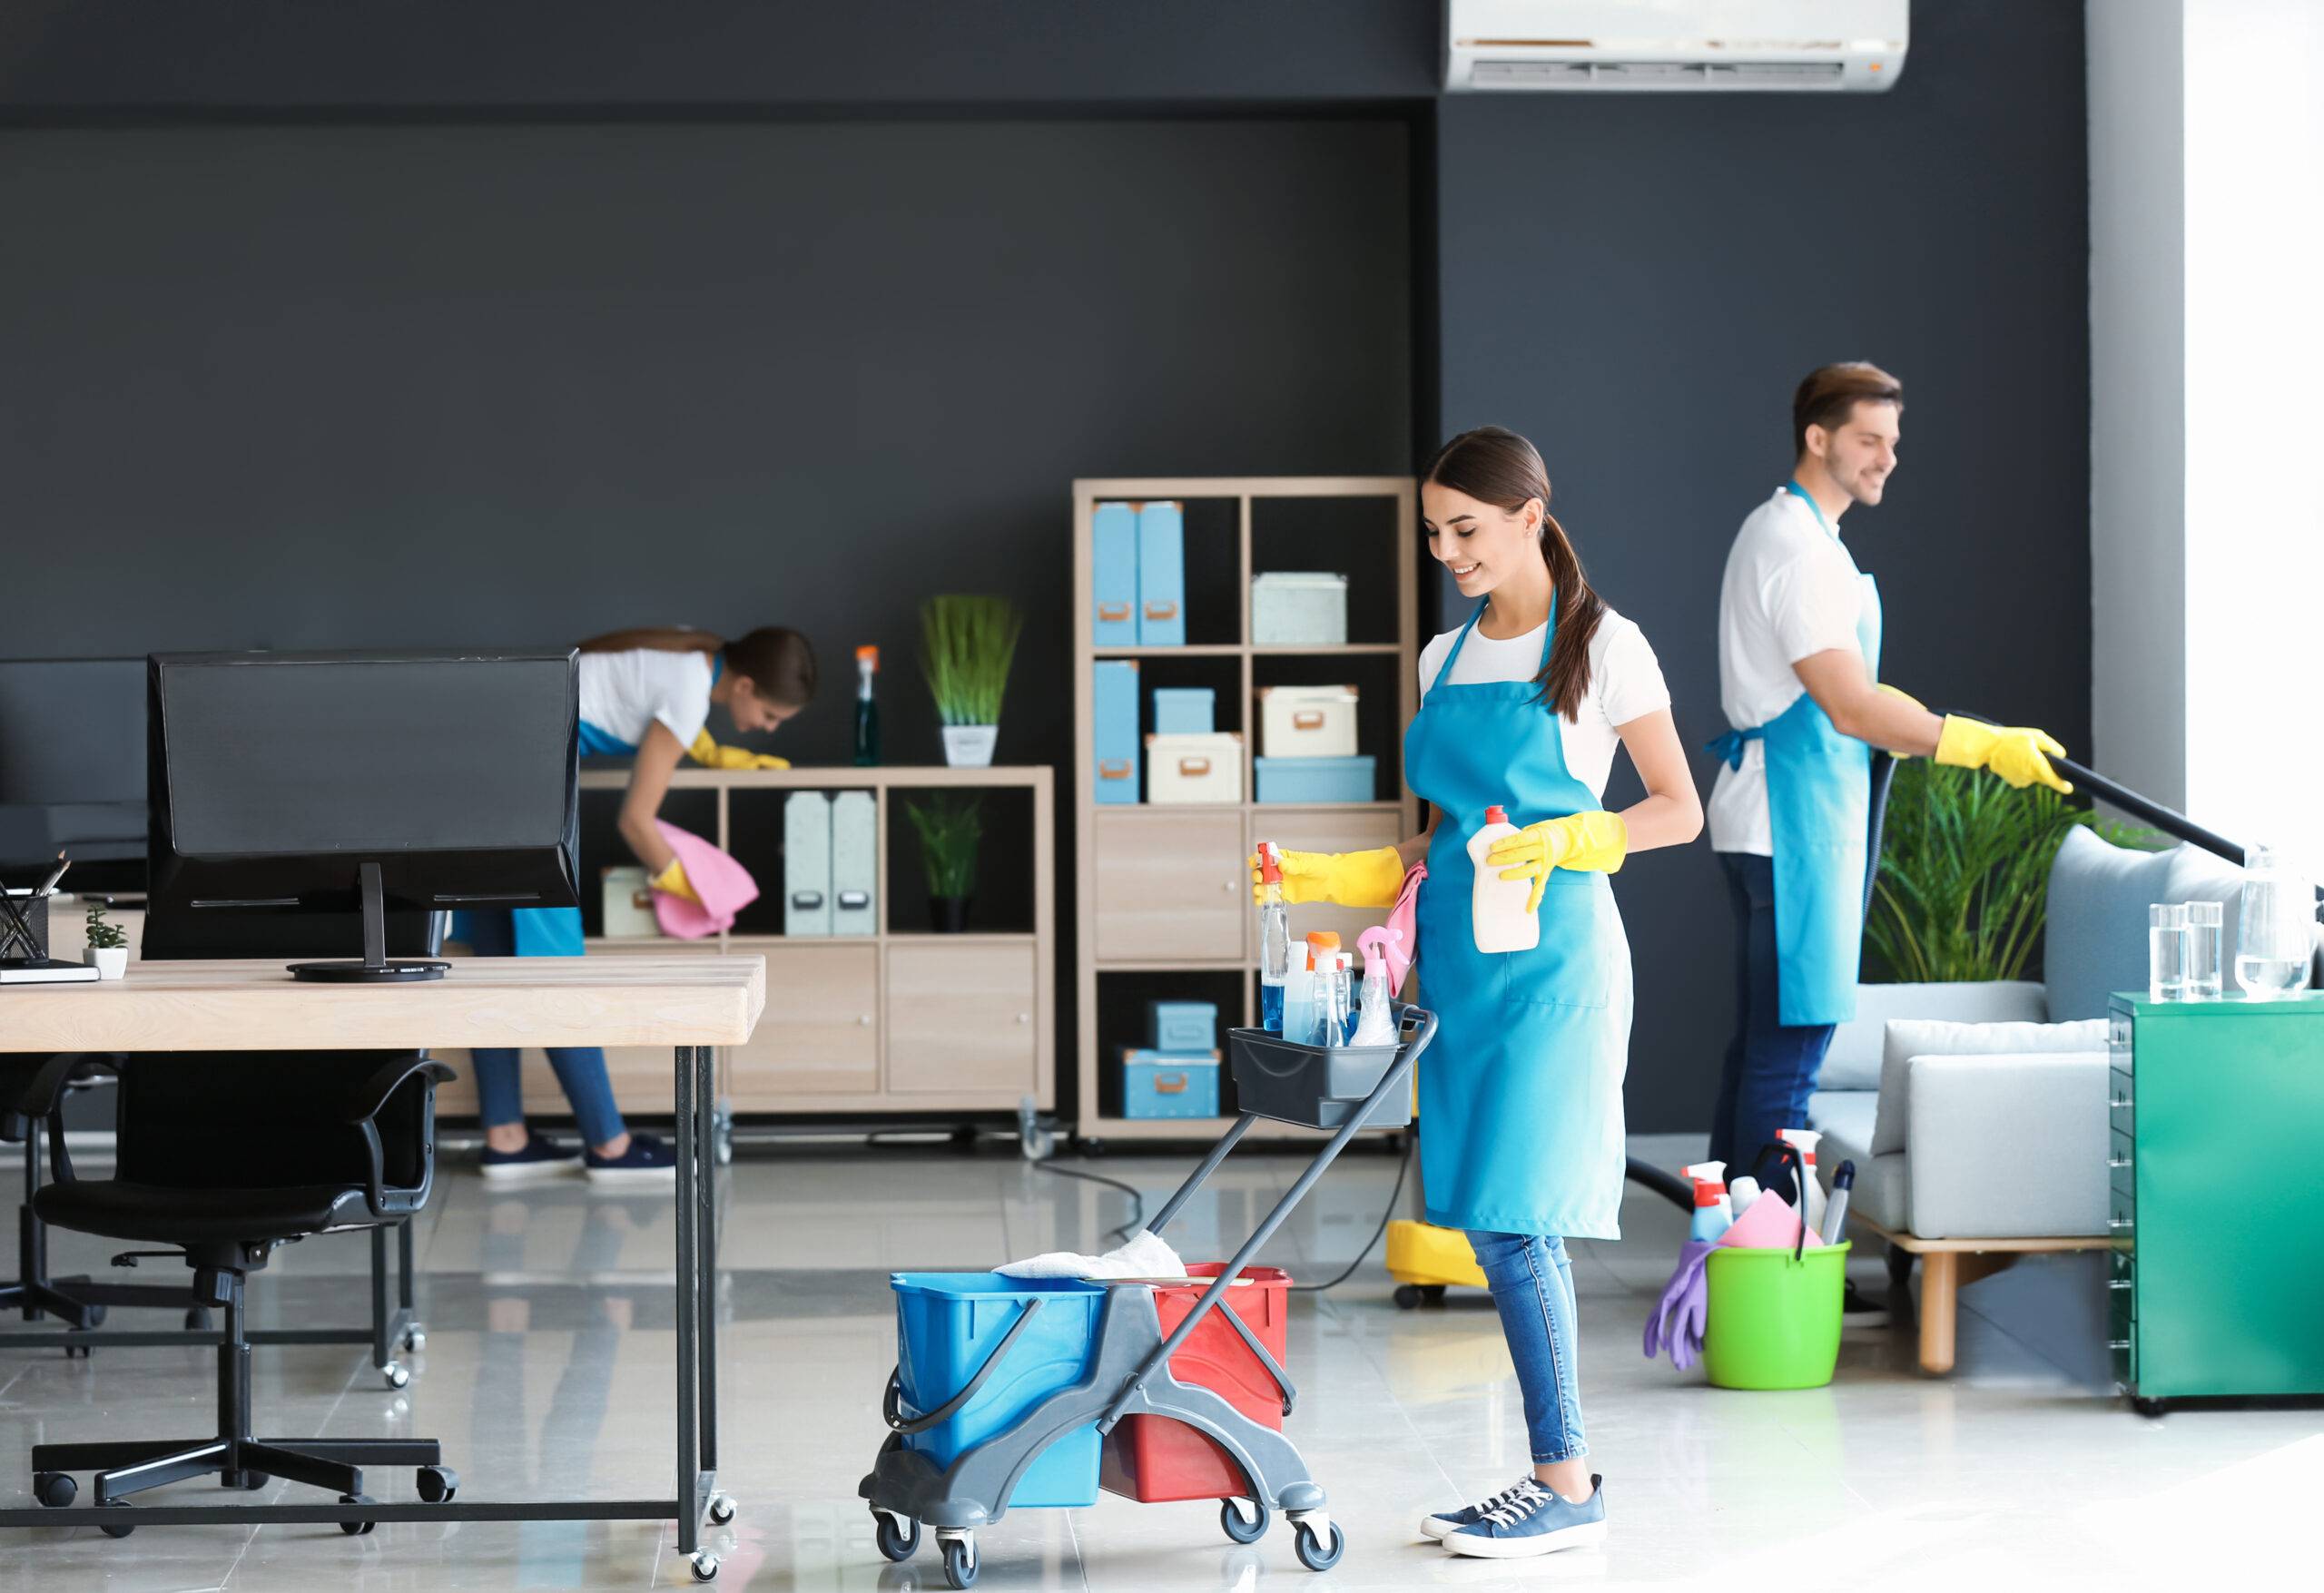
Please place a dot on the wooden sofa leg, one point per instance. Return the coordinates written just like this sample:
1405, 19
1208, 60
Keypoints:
1940, 1293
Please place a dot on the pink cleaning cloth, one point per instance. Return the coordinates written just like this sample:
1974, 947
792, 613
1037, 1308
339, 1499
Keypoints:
1768, 1224
1404, 940
725, 886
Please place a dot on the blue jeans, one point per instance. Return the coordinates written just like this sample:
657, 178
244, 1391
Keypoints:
580, 1069
1532, 1288
1771, 1066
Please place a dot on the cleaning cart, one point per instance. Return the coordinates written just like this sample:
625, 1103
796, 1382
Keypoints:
1009, 1392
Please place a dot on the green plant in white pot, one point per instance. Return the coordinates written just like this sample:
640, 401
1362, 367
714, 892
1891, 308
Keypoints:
966, 646
108, 948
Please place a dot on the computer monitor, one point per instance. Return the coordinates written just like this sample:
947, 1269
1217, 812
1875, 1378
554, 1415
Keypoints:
377, 781
73, 767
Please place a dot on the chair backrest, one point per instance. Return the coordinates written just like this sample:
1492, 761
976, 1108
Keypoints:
2095, 940
266, 1120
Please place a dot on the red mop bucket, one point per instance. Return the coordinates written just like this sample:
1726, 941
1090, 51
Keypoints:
1153, 1460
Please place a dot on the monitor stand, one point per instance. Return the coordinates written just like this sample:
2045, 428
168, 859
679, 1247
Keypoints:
375, 969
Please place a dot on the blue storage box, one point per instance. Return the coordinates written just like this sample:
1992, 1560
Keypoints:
1185, 709
1115, 742
1183, 1026
949, 1323
1113, 574
1161, 576
1163, 1084
1314, 779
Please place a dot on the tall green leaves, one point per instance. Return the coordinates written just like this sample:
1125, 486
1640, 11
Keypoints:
1965, 869
966, 644
949, 834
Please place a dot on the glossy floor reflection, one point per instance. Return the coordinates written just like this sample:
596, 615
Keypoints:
549, 1363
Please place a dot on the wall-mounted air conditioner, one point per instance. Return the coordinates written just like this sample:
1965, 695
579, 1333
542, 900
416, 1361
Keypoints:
1795, 46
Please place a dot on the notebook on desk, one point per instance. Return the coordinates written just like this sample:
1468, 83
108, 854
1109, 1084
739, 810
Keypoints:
44, 971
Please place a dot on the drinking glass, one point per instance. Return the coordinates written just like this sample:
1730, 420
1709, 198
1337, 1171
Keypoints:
2166, 952
2202, 970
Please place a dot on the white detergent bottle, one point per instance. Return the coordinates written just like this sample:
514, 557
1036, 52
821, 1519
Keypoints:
1812, 1197
1497, 914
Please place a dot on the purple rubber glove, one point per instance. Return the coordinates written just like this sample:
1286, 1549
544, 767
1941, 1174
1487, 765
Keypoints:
1677, 1321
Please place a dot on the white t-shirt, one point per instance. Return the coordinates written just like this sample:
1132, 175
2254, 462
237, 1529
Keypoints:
1791, 590
624, 694
1625, 682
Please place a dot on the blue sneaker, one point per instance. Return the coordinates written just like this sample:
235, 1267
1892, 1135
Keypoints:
1534, 1520
1434, 1527
647, 1161
542, 1157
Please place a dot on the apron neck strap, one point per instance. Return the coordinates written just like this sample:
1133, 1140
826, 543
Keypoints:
1549, 635
1814, 507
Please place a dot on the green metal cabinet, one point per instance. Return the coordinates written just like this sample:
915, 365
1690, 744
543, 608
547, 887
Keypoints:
2216, 1280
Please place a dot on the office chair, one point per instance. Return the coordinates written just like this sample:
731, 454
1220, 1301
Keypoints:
223, 1156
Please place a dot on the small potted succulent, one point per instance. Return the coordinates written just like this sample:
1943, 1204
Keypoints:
966, 646
949, 835
108, 949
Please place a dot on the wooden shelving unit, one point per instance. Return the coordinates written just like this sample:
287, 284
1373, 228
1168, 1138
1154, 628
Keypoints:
1161, 890
902, 1020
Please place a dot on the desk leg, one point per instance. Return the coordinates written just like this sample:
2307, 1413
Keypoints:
706, 1247
689, 1292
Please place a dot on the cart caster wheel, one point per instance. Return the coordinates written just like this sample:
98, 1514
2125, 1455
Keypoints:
704, 1565
396, 1374
1433, 1294
254, 1481
357, 1528
1407, 1297
959, 1563
197, 1319
92, 1316
54, 1489
2151, 1409
722, 1509
1312, 1552
414, 1339
76, 1352
439, 1484
1232, 1522
896, 1543
110, 1530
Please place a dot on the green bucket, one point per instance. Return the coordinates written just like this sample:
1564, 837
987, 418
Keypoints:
1773, 1323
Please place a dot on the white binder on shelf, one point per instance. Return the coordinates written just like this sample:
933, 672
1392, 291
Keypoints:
807, 864
855, 863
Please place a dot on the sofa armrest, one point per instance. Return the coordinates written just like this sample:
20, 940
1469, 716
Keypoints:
2009, 1146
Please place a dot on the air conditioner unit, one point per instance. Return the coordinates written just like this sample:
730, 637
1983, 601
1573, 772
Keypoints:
1797, 46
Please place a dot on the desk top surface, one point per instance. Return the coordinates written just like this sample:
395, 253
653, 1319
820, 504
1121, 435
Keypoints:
673, 998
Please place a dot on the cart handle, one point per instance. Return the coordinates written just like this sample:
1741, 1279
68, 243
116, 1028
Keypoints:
893, 1414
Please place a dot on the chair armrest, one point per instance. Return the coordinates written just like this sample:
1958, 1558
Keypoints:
366, 1099
2009, 1146
46, 1090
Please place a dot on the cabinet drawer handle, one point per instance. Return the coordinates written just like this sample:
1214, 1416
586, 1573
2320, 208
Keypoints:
2118, 1283
2118, 1100
2118, 1161
2120, 1223
2122, 1344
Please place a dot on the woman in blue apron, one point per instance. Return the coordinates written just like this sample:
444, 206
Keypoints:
645, 695
1520, 1097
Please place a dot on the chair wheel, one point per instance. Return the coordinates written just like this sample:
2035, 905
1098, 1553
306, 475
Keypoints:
110, 1530
439, 1484
197, 1319
704, 1565
960, 1562
54, 1489
1407, 1296
414, 1339
76, 1352
1232, 1521
722, 1509
396, 1374
1313, 1552
896, 1543
357, 1528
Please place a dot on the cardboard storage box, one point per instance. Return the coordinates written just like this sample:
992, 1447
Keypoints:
1181, 769
1298, 609
1185, 711
1158, 1084
1307, 721
1314, 779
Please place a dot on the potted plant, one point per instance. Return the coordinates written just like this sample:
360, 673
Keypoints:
949, 834
966, 646
108, 949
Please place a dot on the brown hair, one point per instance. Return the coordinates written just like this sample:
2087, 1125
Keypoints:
1831, 393
779, 661
1493, 465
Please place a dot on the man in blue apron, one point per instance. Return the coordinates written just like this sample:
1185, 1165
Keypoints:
1798, 660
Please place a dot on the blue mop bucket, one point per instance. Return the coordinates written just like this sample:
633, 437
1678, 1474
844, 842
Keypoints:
950, 1333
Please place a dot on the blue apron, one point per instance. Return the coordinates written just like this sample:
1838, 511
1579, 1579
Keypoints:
1820, 803
1521, 1098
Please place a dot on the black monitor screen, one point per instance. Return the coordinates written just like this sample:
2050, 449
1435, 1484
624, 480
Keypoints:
283, 755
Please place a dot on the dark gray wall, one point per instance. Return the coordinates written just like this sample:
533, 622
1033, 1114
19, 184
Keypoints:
1637, 283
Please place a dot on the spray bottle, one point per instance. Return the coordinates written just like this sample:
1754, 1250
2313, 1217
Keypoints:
1811, 1198
1376, 1024
1275, 938
1330, 993
1713, 1213
867, 711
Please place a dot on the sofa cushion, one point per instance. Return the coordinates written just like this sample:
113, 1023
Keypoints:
2095, 940
2009, 1146
1854, 1060
1910, 1037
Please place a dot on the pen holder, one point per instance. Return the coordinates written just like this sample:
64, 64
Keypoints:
24, 926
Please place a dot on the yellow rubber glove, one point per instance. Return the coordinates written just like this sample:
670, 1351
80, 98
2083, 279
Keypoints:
2019, 753
709, 753
1594, 842
673, 880
1351, 879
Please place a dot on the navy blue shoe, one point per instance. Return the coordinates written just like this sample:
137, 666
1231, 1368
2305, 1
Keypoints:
1437, 1528
647, 1161
1534, 1520
542, 1157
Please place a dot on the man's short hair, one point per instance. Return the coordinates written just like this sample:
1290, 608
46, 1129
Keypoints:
1831, 391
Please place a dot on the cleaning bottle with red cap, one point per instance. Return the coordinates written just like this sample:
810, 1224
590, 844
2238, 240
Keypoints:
1812, 1198
1713, 1216
1497, 914
1275, 938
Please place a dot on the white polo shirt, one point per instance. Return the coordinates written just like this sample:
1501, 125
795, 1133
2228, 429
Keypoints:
625, 695
1625, 683
1791, 590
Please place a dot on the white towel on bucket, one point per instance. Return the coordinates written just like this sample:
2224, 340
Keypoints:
1145, 1257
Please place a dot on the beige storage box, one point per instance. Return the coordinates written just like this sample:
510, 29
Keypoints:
1298, 608
629, 904
1190, 768
1307, 721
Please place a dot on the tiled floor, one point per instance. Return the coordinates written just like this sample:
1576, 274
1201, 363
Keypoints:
548, 1365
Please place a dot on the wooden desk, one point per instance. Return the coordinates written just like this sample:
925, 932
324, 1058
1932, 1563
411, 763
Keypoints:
690, 1001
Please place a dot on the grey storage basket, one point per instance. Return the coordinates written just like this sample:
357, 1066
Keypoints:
1319, 1086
